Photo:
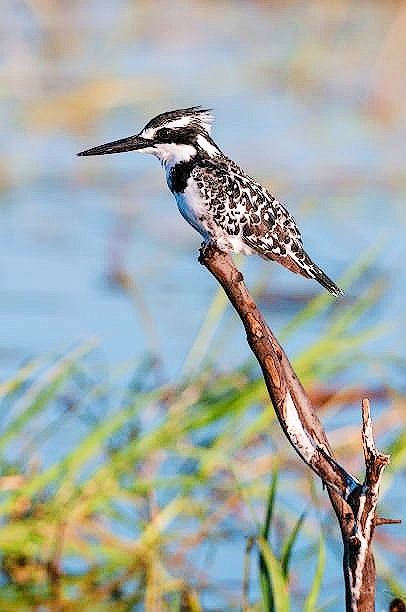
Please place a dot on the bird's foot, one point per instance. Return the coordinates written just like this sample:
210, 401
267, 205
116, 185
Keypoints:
207, 250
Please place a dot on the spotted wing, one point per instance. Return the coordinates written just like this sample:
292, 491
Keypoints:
270, 231
242, 207
245, 209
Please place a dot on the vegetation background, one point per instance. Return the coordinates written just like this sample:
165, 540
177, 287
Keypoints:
141, 464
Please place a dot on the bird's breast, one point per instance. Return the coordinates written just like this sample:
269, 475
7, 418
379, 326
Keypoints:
192, 207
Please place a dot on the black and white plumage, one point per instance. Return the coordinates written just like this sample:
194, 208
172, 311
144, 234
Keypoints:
225, 205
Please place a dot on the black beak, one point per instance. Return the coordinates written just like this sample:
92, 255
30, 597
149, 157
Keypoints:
132, 143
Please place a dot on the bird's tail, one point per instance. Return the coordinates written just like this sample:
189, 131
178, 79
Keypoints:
317, 273
299, 262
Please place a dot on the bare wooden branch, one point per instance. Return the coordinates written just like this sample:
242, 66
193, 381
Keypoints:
362, 571
354, 503
386, 521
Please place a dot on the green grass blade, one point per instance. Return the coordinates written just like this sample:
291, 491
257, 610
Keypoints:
354, 311
397, 451
289, 543
280, 592
311, 599
323, 301
69, 468
265, 578
23, 374
271, 501
205, 334
43, 390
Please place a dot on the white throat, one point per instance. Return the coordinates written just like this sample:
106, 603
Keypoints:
171, 153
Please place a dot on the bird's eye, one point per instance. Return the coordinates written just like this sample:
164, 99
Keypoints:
163, 132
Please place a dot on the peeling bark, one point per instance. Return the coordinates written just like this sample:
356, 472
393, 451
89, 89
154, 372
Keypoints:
354, 503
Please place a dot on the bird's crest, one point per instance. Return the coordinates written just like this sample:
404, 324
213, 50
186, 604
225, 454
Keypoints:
184, 117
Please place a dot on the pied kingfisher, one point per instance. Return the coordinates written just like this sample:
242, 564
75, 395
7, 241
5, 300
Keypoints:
225, 205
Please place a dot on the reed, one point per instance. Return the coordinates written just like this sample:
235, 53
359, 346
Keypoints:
111, 493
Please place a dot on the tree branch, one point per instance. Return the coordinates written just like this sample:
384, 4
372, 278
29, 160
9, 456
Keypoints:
354, 503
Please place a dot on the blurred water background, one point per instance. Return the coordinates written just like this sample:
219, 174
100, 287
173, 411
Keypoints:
309, 98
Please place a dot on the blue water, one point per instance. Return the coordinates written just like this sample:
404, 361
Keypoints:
339, 170
295, 92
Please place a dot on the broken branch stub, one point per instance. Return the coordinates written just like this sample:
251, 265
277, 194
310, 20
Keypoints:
354, 503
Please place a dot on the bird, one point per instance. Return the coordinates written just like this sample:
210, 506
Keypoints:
226, 206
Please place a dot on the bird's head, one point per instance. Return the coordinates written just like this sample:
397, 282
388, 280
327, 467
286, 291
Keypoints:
173, 137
